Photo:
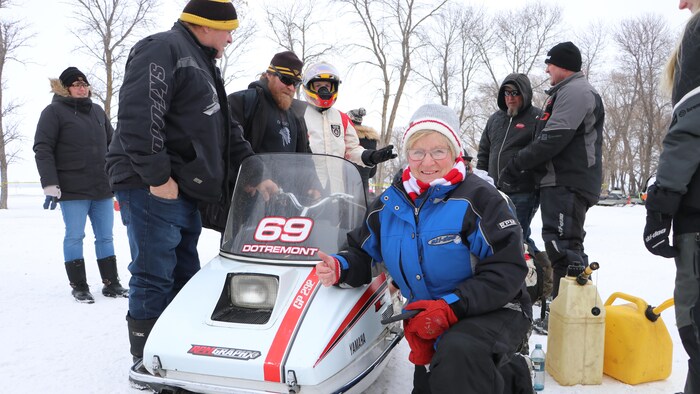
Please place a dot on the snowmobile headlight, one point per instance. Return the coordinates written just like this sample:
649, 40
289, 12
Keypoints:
254, 291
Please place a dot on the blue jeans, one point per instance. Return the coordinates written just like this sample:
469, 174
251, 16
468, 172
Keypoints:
75, 213
526, 205
163, 236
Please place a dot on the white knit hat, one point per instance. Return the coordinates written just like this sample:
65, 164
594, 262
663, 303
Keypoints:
438, 118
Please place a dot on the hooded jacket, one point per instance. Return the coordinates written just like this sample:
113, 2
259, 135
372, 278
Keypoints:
70, 145
504, 136
679, 162
174, 119
568, 148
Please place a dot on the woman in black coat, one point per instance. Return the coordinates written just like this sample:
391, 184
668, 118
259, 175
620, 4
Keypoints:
70, 146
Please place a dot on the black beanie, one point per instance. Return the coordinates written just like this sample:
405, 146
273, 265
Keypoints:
565, 55
286, 63
72, 74
217, 14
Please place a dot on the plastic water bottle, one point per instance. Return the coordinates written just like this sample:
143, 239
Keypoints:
537, 358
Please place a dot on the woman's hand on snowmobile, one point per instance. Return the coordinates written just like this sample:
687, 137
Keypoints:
328, 270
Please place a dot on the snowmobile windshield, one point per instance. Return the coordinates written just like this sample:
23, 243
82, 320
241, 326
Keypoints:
319, 199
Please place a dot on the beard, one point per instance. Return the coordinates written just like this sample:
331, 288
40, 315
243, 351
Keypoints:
283, 100
513, 111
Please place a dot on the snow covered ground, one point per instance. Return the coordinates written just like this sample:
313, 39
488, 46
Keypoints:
53, 344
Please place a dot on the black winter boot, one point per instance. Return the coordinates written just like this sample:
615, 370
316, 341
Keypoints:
76, 276
139, 330
110, 278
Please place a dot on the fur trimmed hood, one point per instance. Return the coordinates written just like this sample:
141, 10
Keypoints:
366, 132
58, 89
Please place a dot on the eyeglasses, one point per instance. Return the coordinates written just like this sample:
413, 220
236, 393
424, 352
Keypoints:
285, 79
80, 85
436, 154
511, 93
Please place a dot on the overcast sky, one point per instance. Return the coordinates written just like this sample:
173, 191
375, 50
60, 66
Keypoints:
52, 50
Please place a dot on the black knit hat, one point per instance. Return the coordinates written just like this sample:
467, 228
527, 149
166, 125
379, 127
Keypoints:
72, 74
565, 55
217, 14
286, 63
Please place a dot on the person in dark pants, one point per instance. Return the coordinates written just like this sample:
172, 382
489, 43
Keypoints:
673, 201
454, 249
369, 139
566, 157
70, 147
508, 130
173, 146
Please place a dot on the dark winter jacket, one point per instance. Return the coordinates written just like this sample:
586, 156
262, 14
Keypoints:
70, 146
505, 136
460, 243
369, 138
174, 119
568, 148
267, 127
679, 162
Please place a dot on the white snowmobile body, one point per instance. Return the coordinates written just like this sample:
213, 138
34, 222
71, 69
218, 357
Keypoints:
256, 319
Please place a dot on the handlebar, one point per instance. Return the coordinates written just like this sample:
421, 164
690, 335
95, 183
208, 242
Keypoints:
305, 209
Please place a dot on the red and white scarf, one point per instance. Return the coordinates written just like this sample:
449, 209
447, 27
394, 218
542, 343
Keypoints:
415, 188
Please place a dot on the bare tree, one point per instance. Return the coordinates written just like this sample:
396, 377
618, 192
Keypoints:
643, 45
295, 26
449, 63
106, 28
232, 64
516, 40
392, 29
591, 43
13, 36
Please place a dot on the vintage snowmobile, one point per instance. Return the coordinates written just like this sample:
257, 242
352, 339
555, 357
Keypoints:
256, 319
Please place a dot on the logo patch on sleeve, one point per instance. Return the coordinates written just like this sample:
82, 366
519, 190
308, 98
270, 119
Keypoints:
507, 223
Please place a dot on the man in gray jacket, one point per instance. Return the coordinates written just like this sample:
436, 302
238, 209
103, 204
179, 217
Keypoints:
566, 157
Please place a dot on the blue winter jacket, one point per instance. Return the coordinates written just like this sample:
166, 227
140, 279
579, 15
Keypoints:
459, 243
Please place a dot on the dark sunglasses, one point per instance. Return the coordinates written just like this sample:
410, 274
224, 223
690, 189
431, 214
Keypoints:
285, 79
511, 93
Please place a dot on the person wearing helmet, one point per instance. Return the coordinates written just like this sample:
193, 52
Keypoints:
331, 131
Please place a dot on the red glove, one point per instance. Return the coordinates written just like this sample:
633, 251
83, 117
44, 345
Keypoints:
422, 350
434, 320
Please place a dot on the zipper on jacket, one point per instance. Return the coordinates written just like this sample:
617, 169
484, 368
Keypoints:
416, 211
503, 143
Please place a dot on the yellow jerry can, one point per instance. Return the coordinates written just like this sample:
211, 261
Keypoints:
638, 348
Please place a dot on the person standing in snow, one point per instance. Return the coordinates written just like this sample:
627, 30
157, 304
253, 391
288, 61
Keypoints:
507, 131
454, 248
369, 139
673, 201
70, 145
566, 156
173, 142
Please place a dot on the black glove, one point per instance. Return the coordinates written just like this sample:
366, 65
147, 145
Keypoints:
661, 205
509, 176
373, 157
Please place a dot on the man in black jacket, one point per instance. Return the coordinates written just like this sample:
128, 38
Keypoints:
507, 131
172, 148
265, 108
566, 156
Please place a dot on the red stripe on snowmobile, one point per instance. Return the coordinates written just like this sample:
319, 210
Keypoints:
369, 298
272, 369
